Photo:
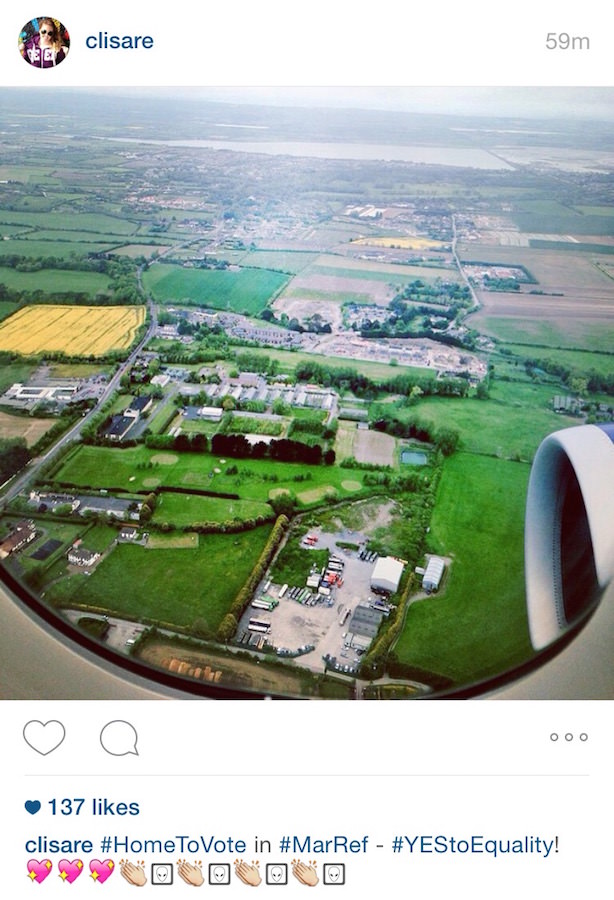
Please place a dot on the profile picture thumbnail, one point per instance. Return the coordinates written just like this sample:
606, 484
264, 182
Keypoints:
44, 42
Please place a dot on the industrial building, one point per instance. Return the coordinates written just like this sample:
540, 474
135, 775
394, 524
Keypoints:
386, 575
433, 574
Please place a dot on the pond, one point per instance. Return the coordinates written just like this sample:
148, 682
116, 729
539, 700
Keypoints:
414, 458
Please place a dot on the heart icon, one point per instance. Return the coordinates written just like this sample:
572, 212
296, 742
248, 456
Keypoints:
38, 871
32, 806
100, 871
44, 737
70, 871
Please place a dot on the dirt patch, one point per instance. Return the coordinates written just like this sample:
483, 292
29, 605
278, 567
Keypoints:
151, 482
165, 459
363, 517
235, 672
315, 494
174, 542
303, 308
374, 447
351, 485
278, 492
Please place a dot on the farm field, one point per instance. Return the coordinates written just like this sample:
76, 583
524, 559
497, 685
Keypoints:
511, 424
74, 330
579, 360
570, 332
405, 243
347, 267
54, 281
555, 270
176, 586
290, 261
7, 308
245, 291
476, 625
61, 249
28, 427
146, 250
68, 222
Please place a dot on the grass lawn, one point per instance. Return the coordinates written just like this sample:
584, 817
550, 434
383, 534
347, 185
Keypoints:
105, 467
190, 509
476, 625
174, 586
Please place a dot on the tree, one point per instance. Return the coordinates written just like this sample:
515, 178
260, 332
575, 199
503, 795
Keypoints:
227, 628
446, 440
578, 385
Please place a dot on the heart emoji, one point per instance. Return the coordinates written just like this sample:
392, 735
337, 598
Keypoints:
100, 871
44, 737
38, 871
32, 806
70, 871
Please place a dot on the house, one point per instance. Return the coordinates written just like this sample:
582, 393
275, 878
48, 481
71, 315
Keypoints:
80, 556
128, 533
119, 427
139, 406
23, 533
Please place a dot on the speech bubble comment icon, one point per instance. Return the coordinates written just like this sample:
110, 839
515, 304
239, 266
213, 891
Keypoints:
44, 737
118, 738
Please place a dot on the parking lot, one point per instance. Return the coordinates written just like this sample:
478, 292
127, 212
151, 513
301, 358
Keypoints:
294, 624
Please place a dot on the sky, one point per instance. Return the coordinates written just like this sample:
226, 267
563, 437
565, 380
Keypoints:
534, 102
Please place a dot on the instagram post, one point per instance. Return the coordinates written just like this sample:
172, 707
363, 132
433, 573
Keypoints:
306, 393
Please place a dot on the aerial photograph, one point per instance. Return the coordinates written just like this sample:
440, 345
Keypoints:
275, 366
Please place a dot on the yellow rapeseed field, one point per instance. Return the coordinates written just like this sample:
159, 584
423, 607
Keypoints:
74, 330
406, 243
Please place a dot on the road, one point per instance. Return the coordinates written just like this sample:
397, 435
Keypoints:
29, 474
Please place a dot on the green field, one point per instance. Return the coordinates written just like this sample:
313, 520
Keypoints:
476, 626
7, 308
54, 281
281, 260
511, 423
60, 249
372, 271
578, 333
246, 290
551, 217
173, 586
70, 222
577, 360
14, 372
190, 509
